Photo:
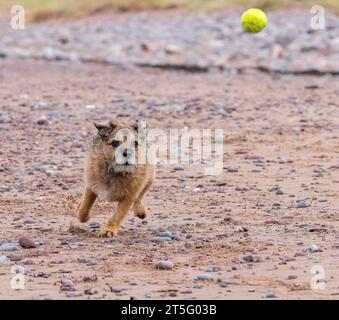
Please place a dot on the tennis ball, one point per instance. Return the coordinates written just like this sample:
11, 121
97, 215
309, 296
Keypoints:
254, 20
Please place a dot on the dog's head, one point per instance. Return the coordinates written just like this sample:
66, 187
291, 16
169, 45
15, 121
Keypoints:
120, 145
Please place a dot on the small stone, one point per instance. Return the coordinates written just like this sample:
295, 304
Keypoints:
41, 121
213, 269
178, 168
27, 243
313, 248
24, 99
164, 265
270, 295
248, 258
74, 294
173, 49
166, 234
14, 257
8, 247
67, 282
232, 168
302, 204
184, 250
279, 192
155, 103
160, 239
91, 107
241, 229
113, 240
90, 291
4, 260
27, 261
4, 118
29, 221
93, 278
223, 282
44, 275
204, 277
40, 106
94, 225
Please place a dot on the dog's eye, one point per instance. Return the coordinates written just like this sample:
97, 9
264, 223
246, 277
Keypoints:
115, 144
136, 143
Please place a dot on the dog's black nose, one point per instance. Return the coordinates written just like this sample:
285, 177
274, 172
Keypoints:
125, 153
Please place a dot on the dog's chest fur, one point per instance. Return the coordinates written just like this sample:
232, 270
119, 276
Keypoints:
114, 187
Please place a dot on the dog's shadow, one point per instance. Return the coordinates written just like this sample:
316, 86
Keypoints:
77, 230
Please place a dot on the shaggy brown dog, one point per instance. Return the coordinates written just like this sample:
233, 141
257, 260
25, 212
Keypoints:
112, 172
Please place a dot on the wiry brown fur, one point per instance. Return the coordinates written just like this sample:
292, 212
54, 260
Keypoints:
125, 184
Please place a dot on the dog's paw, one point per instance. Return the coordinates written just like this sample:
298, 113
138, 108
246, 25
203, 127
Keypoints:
140, 211
82, 216
108, 232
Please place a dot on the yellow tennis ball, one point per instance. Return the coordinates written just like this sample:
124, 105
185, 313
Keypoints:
254, 20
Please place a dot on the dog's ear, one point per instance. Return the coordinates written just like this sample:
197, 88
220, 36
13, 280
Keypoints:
112, 125
103, 129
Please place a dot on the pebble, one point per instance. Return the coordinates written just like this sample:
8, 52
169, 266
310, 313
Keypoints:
302, 204
4, 118
113, 240
248, 258
41, 121
24, 99
164, 265
173, 48
4, 260
279, 192
270, 295
40, 106
27, 243
167, 234
213, 269
241, 229
14, 257
313, 248
67, 282
204, 277
74, 294
91, 107
27, 261
232, 168
94, 225
88, 261
93, 278
29, 221
160, 239
178, 168
8, 247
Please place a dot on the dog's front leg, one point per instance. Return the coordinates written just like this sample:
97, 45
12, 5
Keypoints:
113, 224
83, 208
139, 208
